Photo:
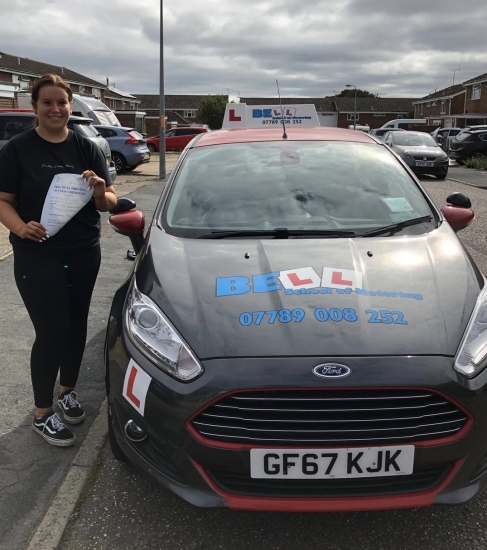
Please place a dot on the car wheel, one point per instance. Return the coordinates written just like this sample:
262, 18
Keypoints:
130, 168
119, 162
477, 155
440, 176
151, 147
117, 452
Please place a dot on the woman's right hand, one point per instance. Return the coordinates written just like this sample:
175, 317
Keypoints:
33, 231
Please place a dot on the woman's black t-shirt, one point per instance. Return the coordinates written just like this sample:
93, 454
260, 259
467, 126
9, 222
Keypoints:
28, 164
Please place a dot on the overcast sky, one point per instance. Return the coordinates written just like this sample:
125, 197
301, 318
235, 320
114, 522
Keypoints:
396, 48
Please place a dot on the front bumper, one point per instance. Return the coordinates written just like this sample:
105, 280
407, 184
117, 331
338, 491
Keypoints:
437, 168
208, 473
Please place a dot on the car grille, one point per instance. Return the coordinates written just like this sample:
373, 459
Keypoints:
329, 417
242, 484
429, 158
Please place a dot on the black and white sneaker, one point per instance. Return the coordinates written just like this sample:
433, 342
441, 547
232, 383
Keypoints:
53, 430
70, 408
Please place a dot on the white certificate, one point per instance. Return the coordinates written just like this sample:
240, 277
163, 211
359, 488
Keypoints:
66, 196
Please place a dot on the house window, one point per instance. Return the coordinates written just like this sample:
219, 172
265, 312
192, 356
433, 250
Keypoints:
22, 82
434, 103
132, 106
420, 108
113, 104
123, 105
96, 93
189, 114
351, 116
476, 91
379, 114
428, 104
443, 107
81, 90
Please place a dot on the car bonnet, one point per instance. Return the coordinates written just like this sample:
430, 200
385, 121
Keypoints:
404, 295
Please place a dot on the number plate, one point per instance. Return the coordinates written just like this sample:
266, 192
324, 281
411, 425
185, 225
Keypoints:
425, 163
331, 463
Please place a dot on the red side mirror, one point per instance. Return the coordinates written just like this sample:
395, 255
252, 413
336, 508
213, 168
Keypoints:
128, 223
458, 216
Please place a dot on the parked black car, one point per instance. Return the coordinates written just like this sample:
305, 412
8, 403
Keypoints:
469, 145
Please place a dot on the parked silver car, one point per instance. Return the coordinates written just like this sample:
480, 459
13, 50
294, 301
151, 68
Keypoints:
128, 147
420, 152
444, 136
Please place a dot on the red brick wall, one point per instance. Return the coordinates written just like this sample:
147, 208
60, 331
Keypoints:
5, 77
458, 104
127, 118
477, 105
152, 126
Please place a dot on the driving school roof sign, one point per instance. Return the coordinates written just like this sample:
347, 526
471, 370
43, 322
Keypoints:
241, 115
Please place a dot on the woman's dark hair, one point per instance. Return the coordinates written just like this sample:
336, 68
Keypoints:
50, 80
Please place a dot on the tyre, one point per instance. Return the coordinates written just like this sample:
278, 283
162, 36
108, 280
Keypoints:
130, 168
477, 155
440, 176
152, 148
119, 162
117, 452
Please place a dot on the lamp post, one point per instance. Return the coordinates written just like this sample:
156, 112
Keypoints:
355, 104
162, 107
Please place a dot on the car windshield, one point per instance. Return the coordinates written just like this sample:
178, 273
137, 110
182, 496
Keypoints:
304, 185
414, 140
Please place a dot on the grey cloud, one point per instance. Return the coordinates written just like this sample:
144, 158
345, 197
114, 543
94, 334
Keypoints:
394, 48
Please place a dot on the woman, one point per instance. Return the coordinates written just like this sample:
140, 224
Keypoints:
55, 275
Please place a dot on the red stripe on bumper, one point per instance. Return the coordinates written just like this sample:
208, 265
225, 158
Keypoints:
352, 504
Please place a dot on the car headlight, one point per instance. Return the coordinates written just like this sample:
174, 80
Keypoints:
405, 156
443, 158
155, 337
471, 357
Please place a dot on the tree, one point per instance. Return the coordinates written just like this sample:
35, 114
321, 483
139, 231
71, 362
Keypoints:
212, 110
350, 92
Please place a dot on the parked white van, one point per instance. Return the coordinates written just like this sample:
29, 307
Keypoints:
403, 122
87, 107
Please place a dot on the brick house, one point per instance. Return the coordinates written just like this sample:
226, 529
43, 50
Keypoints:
126, 107
180, 110
456, 106
371, 111
441, 107
19, 74
475, 109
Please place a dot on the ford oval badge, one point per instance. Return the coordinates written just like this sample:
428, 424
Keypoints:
332, 370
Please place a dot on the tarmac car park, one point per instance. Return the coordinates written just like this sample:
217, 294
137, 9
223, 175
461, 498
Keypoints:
302, 329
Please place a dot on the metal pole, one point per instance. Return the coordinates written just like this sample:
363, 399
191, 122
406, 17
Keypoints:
162, 107
355, 109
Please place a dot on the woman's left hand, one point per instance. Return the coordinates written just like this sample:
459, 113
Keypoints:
96, 183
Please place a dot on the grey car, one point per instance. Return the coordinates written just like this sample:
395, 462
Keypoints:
379, 133
128, 147
302, 330
16, 121
420, 152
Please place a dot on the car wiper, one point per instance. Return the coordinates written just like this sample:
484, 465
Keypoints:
396, 226
278, 233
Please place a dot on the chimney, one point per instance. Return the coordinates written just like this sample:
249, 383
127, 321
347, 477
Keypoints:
108, 82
